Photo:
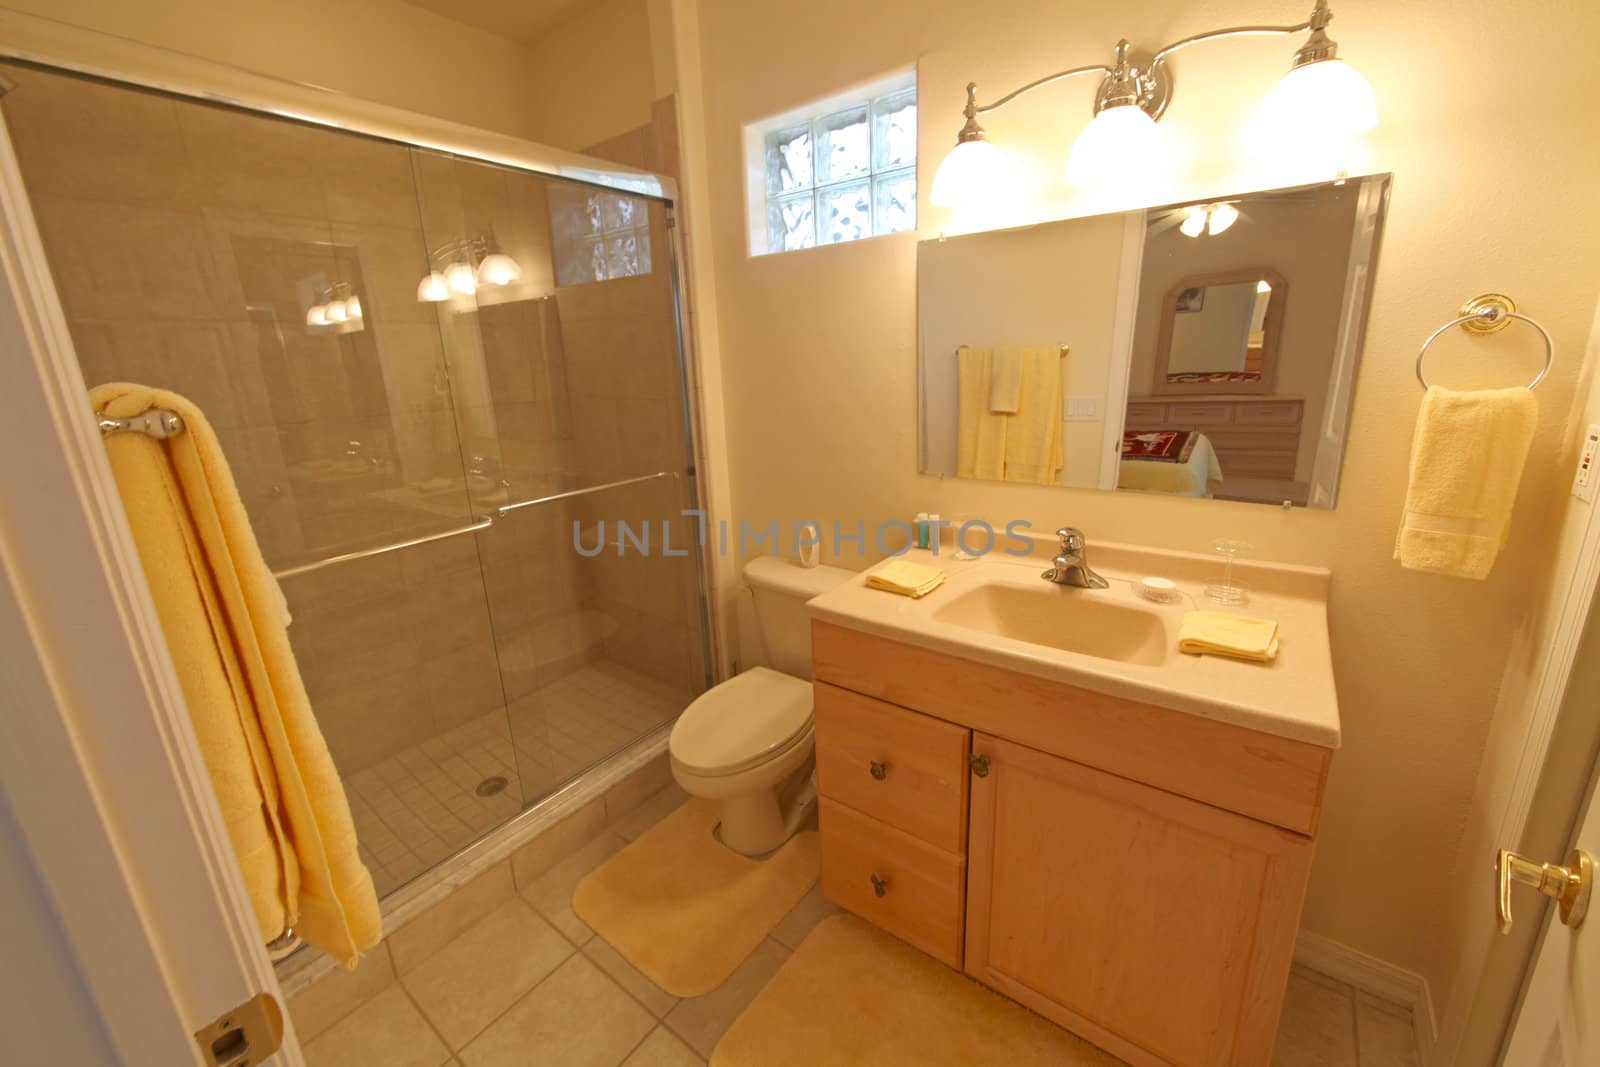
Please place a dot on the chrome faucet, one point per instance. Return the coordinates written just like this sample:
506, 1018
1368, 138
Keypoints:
1071, 565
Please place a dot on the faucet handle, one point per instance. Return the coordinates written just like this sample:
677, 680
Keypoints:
1072, 539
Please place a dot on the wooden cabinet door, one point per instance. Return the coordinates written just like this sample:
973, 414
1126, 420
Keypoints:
1158, 927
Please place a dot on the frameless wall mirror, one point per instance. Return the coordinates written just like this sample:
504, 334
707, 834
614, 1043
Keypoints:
1205, 349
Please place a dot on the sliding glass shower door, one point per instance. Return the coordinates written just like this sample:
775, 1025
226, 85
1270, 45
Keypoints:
426, 373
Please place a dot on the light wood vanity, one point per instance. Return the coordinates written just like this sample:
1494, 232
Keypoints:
1133, 872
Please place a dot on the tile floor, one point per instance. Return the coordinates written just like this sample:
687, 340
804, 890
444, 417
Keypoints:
529, 982
421, 805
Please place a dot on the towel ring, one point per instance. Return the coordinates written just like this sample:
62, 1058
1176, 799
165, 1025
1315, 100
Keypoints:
1488, 314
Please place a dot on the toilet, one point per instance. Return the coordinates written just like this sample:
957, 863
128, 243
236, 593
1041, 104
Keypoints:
747, 742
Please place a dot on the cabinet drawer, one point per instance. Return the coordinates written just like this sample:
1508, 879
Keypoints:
1146, 417
1200, 416
891, 879
903, 768
1286, 413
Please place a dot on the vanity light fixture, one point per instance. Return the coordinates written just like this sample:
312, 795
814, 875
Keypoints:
463, 266
340, 308
1208, 218
1321, 99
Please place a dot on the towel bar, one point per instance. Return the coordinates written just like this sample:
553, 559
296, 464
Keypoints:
1491, 313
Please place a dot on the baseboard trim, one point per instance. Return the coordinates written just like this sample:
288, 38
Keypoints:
1378, 977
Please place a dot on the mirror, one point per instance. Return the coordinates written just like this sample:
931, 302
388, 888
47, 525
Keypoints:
1205, 349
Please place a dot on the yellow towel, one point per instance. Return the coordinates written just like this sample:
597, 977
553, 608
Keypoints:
905, 578
1466, 461
1221, 634
1033, 440
981, 438
225, 622
1005, 380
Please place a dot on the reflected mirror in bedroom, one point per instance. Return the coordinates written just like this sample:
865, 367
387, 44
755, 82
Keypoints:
1206, 349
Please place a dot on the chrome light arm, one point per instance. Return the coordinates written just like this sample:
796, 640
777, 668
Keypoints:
1234, 31
1097, 68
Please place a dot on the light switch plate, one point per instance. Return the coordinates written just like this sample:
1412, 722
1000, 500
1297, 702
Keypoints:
1583, 481
1081, 409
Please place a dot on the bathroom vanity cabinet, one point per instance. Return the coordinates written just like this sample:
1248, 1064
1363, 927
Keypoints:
1132, 872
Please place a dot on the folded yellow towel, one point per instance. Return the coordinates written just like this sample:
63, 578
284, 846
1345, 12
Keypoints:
906, 578
1466, 462
981, 434
225, 622
1220, 634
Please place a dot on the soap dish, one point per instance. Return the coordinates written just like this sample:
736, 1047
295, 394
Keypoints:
1161, 590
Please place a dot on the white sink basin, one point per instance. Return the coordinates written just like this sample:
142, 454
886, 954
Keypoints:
1072, 620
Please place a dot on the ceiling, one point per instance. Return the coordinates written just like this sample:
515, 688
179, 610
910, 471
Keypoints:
518, 20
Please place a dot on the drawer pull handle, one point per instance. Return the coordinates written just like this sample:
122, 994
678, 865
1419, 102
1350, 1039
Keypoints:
979, 765
880, 886
880, 771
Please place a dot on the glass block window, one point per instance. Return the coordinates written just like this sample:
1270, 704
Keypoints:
597, 234
846, 172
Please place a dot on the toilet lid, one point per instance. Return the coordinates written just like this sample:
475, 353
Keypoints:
740, 722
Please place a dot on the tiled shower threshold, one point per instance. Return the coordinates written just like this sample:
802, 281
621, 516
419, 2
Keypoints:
423, 892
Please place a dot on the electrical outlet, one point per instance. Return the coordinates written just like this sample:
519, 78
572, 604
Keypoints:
1082, 409
1583, 482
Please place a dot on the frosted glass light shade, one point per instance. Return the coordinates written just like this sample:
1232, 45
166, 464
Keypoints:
1121, 143
458, 276
1221, 216
498, 269
1322, 102
432, 289
317, 315
335, 311
1194, 223
973, 172
352, 308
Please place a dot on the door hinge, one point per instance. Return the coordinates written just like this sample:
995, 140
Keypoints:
245, 1036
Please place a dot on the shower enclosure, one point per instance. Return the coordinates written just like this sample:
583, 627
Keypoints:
453, 397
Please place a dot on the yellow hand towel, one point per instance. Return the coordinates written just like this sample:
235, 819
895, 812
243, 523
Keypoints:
905, 578
981, 435
1005, 380
1221, 634
225, 621
1033, 440
1466, 462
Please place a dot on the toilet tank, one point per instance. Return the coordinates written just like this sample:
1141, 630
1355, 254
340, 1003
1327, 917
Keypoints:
781, 588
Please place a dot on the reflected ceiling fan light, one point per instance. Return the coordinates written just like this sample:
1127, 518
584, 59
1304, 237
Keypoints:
458, 276
1121, 143
1220, 217
352, 308
432, 289
1194, 224
498, 268
317, 315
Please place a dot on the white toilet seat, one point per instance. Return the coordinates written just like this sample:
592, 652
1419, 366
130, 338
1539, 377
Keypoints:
751, 719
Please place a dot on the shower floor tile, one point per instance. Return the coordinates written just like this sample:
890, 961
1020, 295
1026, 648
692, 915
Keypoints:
421, 804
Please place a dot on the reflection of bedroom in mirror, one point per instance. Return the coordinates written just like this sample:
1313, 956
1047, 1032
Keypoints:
1205, 349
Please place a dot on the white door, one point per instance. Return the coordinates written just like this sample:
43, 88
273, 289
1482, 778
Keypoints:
1558, 1023
111, 827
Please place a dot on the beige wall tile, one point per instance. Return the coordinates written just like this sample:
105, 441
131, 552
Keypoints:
387, 1029
652, 811
645, 782
466, 984
532, 860
441, 924
577, 1017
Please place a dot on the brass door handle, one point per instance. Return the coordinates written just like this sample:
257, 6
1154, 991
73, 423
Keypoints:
979, 765
879, 770
880, 886
1569, 885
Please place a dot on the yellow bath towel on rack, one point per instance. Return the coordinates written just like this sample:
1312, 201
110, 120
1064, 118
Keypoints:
225, 622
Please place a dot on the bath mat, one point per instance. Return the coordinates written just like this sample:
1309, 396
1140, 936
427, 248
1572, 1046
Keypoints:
685, 909
853, 994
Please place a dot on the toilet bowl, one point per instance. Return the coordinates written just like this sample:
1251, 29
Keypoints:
747, 742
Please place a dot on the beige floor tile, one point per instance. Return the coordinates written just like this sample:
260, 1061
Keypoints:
482, 973
650, 812
551, 893
558, 842
340, 992
663, 1049
576, 1018
701, 1021
655, 999
1385, 1036
387, 1029
812, 909
441, 924
1318, 1025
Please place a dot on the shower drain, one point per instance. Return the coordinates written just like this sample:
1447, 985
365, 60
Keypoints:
490, 786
